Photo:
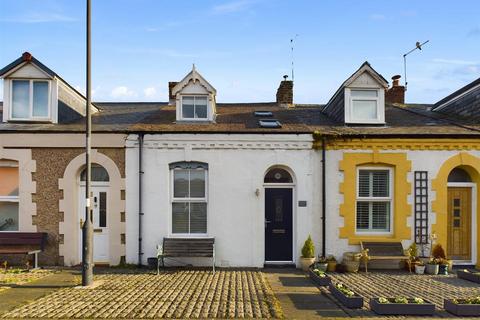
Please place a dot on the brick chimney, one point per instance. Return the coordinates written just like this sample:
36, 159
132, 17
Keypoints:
171, 97
285, 93
396, 93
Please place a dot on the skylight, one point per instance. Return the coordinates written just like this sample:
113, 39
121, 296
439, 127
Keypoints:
262, 113
269, 123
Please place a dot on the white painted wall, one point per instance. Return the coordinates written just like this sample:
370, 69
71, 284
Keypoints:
237, 164
422, 160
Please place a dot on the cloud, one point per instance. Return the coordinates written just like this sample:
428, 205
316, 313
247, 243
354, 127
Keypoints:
455, 61
232, 7
377, 17
122, 92
474, 32
149, 92
40, 18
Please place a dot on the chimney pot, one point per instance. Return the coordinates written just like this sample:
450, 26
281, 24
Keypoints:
396, 93
396, 80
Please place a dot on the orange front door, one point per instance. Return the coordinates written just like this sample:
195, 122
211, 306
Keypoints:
459, 223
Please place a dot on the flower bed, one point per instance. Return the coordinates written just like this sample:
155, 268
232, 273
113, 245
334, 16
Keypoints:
402, 306
319, 277
463, 307
468, 275
346, 296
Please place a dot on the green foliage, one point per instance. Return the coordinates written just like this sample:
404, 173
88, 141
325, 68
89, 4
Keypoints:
413, 251
308, 250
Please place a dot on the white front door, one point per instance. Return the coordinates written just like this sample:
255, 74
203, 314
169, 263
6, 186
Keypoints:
100, 222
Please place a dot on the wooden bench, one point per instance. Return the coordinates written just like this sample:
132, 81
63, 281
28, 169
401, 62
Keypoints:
23, 243
384, 251
186, 247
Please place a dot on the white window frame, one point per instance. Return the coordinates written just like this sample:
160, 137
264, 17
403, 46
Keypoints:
380, 99
14, 199
187, 200
390, 198
31, 117
194, 96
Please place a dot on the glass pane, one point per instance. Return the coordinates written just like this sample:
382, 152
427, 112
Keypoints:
8, 216
456, 212
381, 216
8, 181
364, 93
40, 99
198, 217
200, 101
20, 99
278, 175
180, 217
456, 223
380, 183
364, 109
456, 202
364, 183
197, 183
362, 215
98, 173
102, 223
180, 184
279, 210
188, 107
201, 112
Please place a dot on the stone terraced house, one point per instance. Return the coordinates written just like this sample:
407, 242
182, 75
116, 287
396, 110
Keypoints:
258, 177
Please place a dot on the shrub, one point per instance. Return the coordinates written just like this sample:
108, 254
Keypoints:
308, 250
438, 252
413, 251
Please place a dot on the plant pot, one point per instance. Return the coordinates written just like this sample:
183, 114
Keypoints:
431, 268
424, 309
321, 281
470, 276
443, 269
332, 265
305, 263
322, 266
351, 266
419, 269
355, 302
152, 262
459, 309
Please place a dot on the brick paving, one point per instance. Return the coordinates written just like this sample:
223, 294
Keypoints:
173, 294
393, 284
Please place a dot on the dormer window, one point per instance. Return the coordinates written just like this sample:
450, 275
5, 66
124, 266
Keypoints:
364, 106
30, 100
194, 108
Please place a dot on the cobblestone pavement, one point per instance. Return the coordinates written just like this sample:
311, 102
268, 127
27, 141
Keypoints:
173, 294
392, 284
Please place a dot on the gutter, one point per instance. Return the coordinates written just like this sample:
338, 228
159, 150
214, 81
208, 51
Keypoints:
140, 203
324, 196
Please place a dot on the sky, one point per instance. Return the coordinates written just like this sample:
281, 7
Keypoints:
243, 47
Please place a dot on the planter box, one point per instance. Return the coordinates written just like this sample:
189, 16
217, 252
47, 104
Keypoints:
321, 281
468, 276
461, 309
354, 302
424, 309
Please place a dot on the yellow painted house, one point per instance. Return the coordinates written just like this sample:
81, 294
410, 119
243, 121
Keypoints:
401, 172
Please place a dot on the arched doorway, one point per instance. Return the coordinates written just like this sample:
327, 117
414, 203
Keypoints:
279, 186
99, 190
460, 215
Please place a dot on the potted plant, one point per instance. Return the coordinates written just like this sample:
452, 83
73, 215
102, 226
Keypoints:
331, 264
321, 263
319, 277
439, 254
402, 306
419, 267
413, 260
463, 307
346, 296
308, 254
432, 266
468, 275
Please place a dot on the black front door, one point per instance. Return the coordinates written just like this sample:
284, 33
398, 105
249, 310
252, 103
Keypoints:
278, 224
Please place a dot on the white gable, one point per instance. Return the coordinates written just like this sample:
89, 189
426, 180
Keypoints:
365, 80
194, 88
28, 71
